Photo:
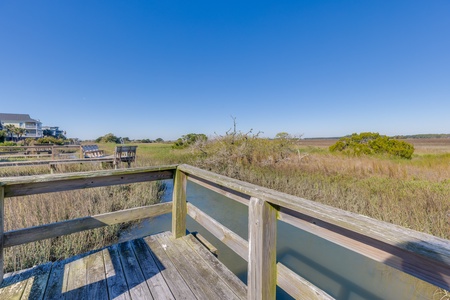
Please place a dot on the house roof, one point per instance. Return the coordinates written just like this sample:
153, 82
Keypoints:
16, 118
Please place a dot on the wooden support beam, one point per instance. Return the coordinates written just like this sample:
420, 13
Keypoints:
179, 208
262, 269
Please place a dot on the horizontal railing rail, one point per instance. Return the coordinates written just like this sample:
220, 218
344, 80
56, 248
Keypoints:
415, 253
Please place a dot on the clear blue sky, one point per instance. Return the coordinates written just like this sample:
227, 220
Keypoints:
149, 69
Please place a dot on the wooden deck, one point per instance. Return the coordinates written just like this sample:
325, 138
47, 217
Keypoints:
154, 267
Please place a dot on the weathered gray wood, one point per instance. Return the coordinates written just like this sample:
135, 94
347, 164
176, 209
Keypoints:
155, 281
54, 163
211, 248
193, 278
230, 279
176, 283
298, 287
115, 278
179, 208
220, 288
25, 284
135, 279
406, 260
76, 279
55, 284
2, 221
27, 235
28, 185
262, 232
96, 276
434, 251
225, 235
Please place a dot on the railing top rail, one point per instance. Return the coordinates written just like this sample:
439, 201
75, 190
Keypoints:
27, 185
391, 236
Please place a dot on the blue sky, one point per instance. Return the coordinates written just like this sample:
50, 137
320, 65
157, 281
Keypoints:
149, 69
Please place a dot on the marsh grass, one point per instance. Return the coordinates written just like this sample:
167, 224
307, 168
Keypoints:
28, 211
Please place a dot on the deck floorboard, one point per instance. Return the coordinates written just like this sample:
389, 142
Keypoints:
154, 267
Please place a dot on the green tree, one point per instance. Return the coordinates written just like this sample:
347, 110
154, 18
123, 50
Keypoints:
108, 138
190, 139
10, 130
19, 132
3, 134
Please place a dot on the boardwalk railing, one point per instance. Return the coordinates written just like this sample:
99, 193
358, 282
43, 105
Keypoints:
418, 254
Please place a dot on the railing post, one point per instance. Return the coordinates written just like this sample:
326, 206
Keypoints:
2, 209
262, 269
179, 207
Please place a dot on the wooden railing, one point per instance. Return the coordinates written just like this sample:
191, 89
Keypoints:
418, 254
36, 150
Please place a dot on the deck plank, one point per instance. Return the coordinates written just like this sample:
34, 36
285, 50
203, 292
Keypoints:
155, 281
176, 283
115, 279
135, 279
155, 267
235, 284
206, 273
192, 279
96, 276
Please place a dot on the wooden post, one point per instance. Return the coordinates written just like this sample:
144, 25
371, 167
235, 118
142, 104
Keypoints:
2, 204
179, 208
262, 269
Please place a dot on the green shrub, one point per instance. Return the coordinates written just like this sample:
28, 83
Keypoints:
368, 143
50, 140
189, 139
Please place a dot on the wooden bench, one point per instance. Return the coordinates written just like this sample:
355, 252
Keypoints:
91, 151
124, 154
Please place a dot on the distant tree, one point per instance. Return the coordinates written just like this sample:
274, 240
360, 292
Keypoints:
368, 143
159, 140
10, 130
189, 139
47, 132
108, 138
283, 135
19, 132
3, 134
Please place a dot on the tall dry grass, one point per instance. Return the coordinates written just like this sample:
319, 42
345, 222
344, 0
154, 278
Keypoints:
411, 193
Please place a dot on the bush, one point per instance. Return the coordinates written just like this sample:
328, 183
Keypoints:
368, 143
108, 138
190, 139
8, 144
50, 140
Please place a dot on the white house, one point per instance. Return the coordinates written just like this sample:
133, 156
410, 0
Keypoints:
33, 127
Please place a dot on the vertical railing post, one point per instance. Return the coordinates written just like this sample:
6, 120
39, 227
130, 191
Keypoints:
2, 210
262, 270
179, 206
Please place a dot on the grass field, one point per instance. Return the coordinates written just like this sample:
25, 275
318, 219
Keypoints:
412, 193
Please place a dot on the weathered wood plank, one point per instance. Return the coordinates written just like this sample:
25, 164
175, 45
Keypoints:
262, 270
115, 278
176, 283
153, 276
26, 284
179, 208
54, 162
211, 248
56, 281
220, 287
228, 277
26, 235
298, 287
225, 235
434, 250
49, 183
137, 285
190, 275
96, 276
391, 255
76, 279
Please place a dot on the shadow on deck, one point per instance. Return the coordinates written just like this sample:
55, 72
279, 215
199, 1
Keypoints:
154, 267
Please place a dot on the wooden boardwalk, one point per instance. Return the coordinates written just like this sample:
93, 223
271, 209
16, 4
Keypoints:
154, 267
